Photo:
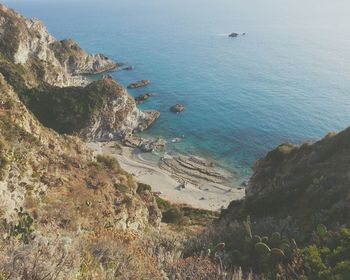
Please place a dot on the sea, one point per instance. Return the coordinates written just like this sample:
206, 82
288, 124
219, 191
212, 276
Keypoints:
286, 80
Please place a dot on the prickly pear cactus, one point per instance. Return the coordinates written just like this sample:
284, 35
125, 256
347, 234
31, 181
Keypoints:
321, 230
256, 239
248, 227
265, 239
277, 254
262, 248
219, 247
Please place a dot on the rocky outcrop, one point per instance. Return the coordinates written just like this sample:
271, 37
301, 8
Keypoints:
143, 97
233, 35
27, 42
77, 62
139, 84
128, 68
59, 181
310, 182
194, 169
118, 117
144, 144
47, 75
177, 108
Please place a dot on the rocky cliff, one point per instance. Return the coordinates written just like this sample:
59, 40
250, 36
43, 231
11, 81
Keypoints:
47, 76
58, 179
309, 182
118, 116
294, 221
27, 42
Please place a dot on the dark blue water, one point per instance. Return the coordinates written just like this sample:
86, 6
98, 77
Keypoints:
288, 79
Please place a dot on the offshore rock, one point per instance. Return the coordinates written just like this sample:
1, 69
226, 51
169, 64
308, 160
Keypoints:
177, 108
139, 84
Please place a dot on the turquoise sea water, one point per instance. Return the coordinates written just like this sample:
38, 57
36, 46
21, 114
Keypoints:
288, 79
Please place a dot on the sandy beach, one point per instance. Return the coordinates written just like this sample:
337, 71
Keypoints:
199, 193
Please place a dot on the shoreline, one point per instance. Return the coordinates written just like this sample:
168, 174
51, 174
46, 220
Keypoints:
168, 183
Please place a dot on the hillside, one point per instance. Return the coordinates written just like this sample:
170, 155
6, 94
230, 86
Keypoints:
48, 77
309, 183
67, 213
294, 221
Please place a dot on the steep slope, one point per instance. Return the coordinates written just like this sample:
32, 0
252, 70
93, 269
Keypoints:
294, 221
310, 182
59, 181
27, 42
47, 76
102, 110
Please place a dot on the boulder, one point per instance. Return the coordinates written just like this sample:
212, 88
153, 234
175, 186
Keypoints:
177, 108
149, 145
144, 144
143, 97
139, 84
233, 35
128, 68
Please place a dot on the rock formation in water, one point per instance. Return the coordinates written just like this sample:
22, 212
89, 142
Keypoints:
177, 108
233, 35
139, 84
143, 97
47, 75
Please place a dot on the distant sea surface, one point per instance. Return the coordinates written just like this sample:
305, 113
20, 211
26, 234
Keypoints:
286, 80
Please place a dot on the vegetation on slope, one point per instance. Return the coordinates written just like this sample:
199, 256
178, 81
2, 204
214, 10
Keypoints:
294, 222
66, 110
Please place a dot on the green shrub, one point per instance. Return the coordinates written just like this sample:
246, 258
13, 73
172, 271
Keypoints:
121, 187
24, 228
108, 162
141, 188
173, 216
163, 204
4, 163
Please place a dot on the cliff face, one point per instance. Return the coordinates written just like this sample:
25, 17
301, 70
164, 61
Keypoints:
47, 76
27, 42
310, 182
118, 116
58, 180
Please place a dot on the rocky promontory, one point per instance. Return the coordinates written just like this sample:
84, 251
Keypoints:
26, 42
77, 62
47, 74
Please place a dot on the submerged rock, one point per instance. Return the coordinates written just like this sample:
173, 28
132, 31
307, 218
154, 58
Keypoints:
128, 68
139, 84
177, 108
